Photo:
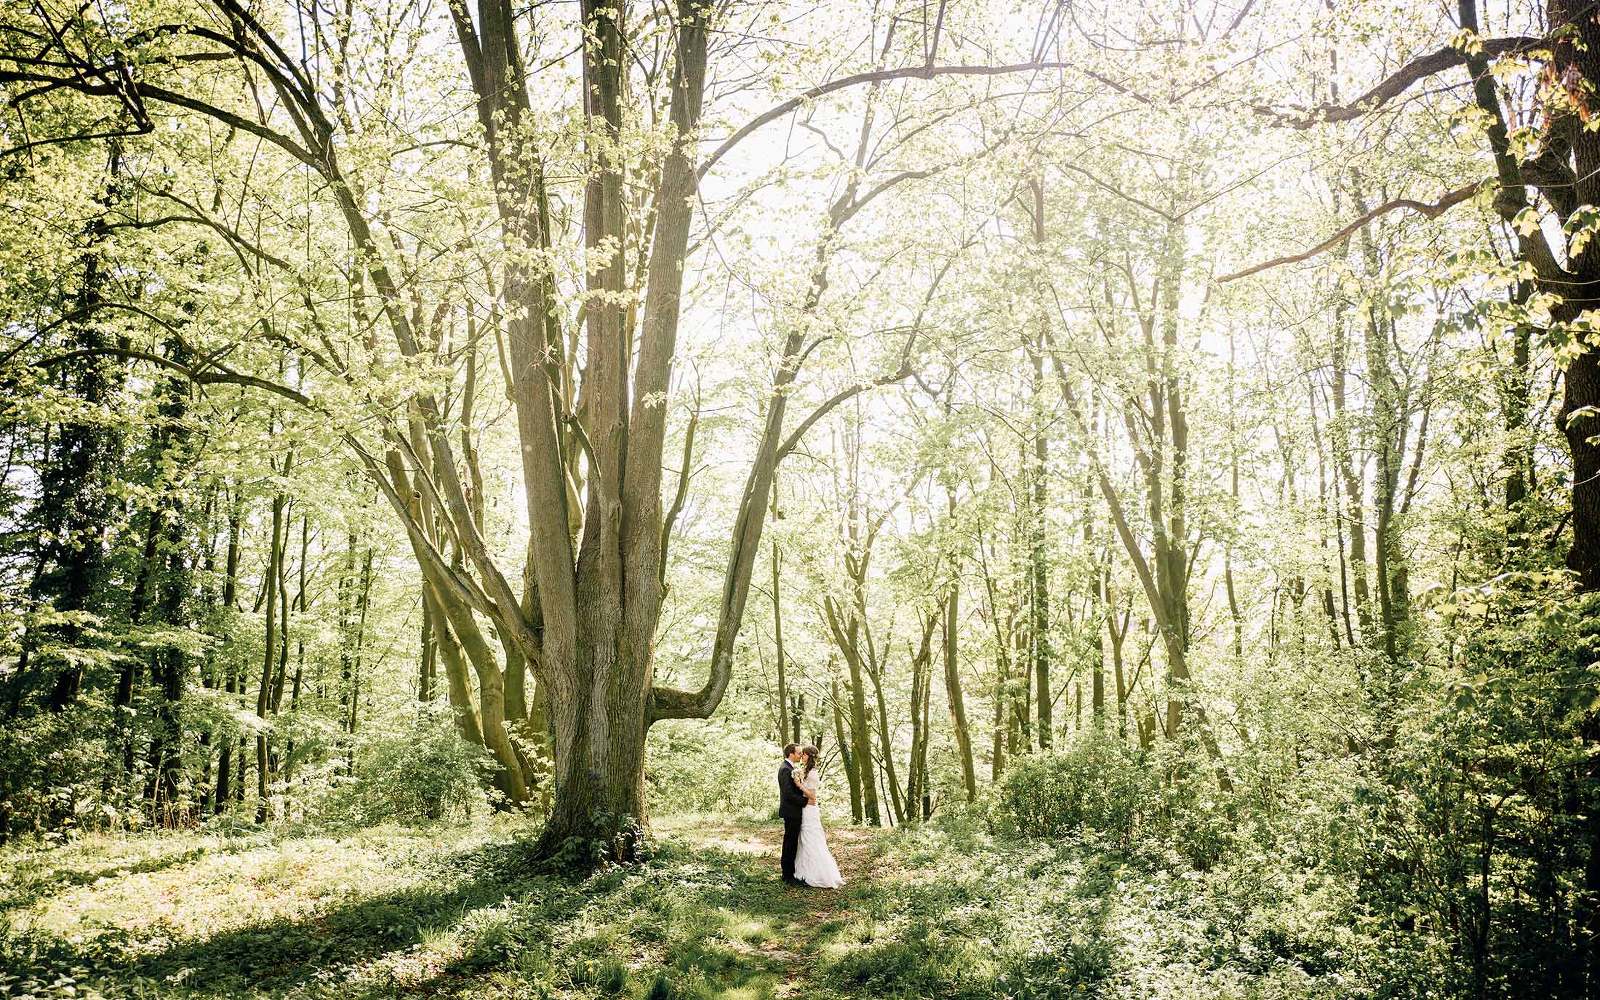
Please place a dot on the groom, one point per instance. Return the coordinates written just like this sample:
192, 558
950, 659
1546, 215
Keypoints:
791, 803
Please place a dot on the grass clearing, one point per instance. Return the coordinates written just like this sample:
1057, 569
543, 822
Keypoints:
456, 911
443, 911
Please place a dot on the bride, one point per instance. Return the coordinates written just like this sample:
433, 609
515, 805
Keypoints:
813, 863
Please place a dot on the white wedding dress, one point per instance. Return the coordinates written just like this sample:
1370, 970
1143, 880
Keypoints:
813, 863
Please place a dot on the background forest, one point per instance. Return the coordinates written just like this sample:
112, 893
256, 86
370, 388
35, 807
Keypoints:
450, 446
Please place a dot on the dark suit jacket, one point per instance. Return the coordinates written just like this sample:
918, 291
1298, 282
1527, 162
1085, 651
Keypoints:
791, 800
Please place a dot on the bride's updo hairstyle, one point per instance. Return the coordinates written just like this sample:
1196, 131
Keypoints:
810, 753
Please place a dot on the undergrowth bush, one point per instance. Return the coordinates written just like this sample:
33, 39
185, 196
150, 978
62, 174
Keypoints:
53, 782
416, 771
1096, 783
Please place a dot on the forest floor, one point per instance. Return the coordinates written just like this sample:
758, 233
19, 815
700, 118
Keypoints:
445, 911
786, 954
940, 911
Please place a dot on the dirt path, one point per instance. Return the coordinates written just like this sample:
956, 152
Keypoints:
852, 848
814, 909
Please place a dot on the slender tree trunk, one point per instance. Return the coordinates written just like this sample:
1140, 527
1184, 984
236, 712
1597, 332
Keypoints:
363, 604
269, 655
1117, 633
428, 662
279, 673
860, 733
230, 605
925, 699
1040, 653
952, 687
298, 607
886, 747
1102, 627
785, 735
997, 743
917, 768
1340, 435
1233, 491
1516, 385
349, 583
1390, 423
170, 665
1039, 647
1004, 735
131, 675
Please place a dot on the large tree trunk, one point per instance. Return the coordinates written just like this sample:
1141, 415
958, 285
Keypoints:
852, 774
599, 729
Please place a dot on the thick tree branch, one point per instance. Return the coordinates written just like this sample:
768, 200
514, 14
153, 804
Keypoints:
220, 228
428, 555
199, 376
142, 92
1431, 209
1512, 197
1397, 83
827, 406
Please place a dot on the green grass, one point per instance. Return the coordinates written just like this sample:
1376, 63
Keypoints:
953, 912
455, 911
448, 911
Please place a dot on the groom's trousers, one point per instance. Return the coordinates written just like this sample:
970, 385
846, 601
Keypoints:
791, 845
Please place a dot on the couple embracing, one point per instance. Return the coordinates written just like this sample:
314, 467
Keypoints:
806, 859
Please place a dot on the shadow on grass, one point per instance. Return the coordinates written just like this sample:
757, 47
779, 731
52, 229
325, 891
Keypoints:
945, 931
275, 955
700, 921
694, 922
